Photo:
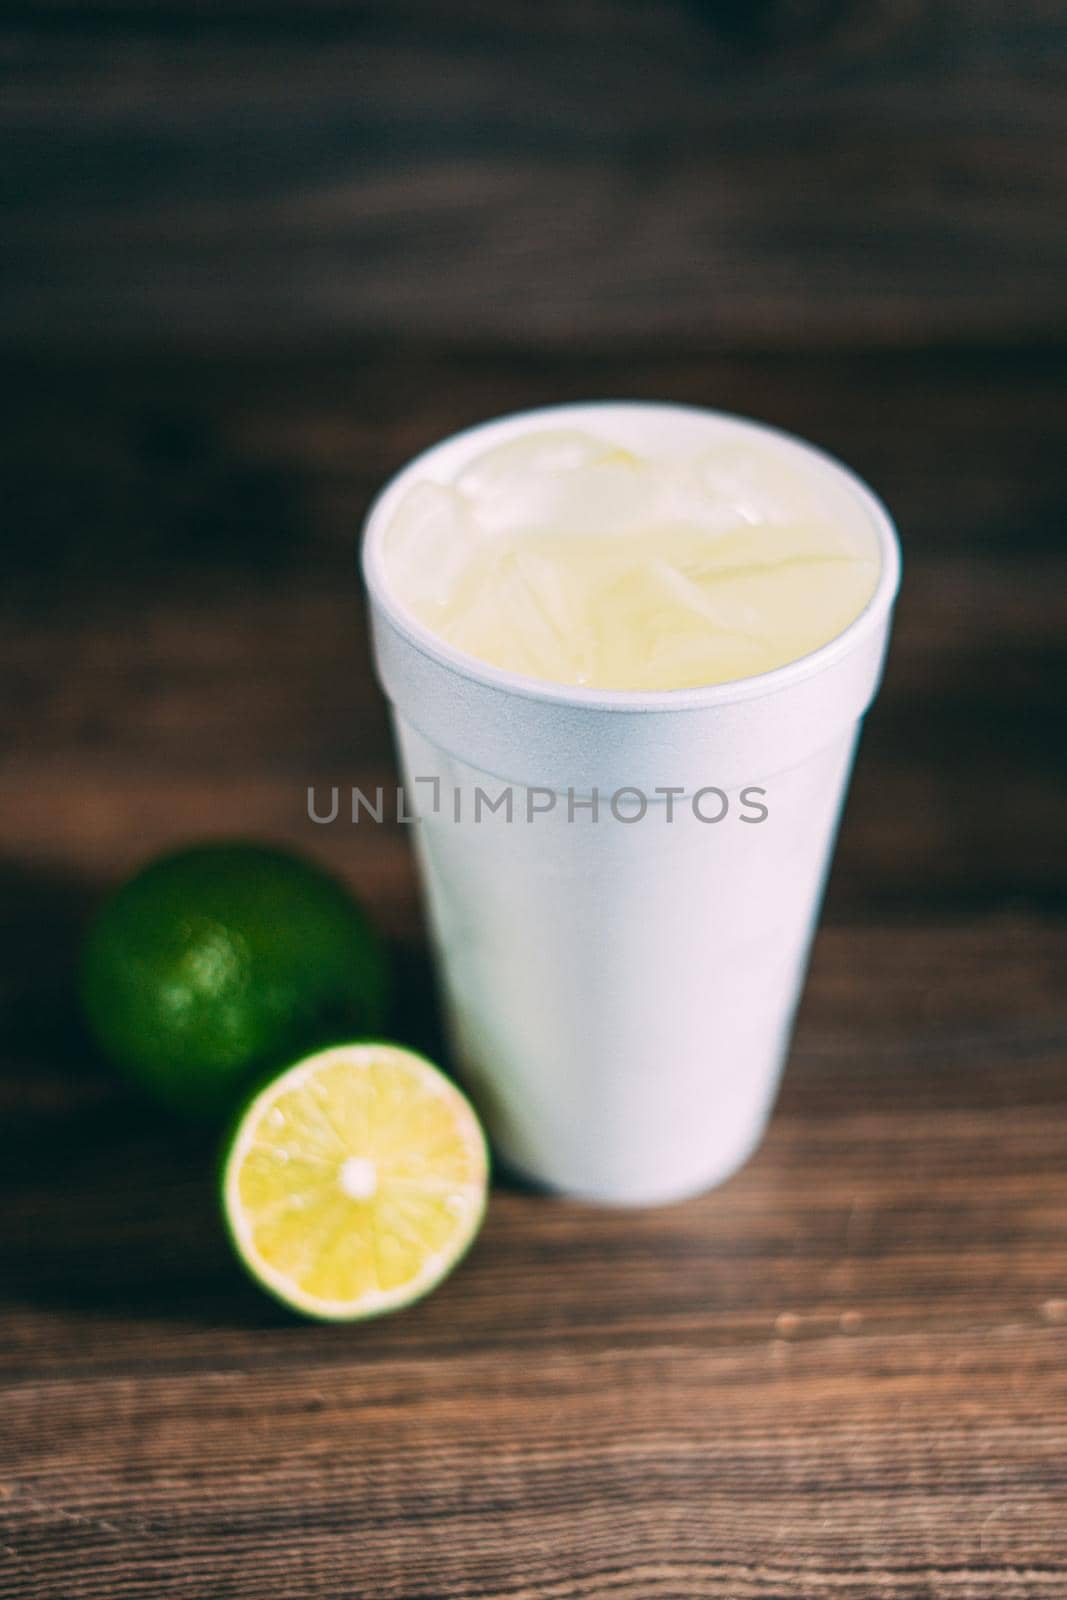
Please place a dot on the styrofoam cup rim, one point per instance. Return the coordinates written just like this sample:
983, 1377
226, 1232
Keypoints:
427, 643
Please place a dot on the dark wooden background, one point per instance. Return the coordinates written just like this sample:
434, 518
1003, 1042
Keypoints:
252, 256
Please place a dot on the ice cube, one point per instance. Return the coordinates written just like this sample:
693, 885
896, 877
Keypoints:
558, 481
740, 485
429, 544
505, 620
725, 614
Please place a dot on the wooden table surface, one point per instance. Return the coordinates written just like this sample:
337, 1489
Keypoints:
844, 1373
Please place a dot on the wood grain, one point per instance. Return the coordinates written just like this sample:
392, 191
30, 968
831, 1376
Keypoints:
760, 174
843, 1374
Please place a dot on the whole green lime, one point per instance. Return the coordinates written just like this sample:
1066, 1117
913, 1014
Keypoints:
221, 961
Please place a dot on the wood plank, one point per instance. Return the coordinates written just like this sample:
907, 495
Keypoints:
150, 458
841, 1374
762, 175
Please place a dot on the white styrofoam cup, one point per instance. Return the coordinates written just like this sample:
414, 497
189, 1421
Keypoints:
620, 985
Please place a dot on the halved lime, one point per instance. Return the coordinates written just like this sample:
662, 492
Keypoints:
355, 1181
